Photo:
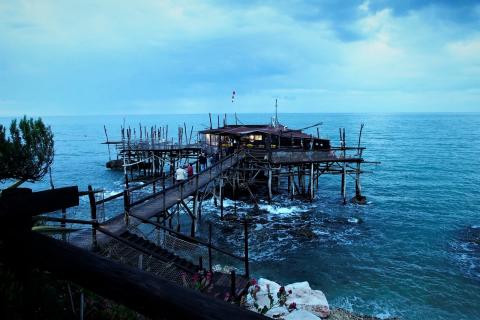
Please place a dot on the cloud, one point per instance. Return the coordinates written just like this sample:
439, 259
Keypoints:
157, 56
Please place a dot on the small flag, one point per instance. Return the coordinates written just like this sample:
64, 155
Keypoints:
233, 96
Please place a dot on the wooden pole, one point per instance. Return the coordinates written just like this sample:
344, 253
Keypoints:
234, 199
312, 193
126, 204
210, 266
93, 213
195, 210
344, 172
269, 184
221, 198
293, 184
245, 231
289, 184
233, 288
358, 187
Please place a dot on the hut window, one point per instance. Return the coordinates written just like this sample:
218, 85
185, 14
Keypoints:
255, 137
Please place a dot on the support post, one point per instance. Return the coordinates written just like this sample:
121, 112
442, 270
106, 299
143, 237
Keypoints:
126, 204
233, 286
234, 199
344, 169
245, 231
221, 198
81, 304
312, 193
93, 214
195, 211
210, 266
269, 184
163, 189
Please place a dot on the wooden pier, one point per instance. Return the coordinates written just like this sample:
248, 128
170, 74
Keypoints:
144, 233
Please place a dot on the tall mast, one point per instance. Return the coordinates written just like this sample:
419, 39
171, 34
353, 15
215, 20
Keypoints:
276, 113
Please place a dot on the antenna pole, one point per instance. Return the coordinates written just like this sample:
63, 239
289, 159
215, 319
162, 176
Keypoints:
276, 113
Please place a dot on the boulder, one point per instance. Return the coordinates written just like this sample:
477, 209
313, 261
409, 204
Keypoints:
311, 301
307, 299
277, 313
301, 315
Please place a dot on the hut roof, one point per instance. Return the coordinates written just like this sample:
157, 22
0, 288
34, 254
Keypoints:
242, 130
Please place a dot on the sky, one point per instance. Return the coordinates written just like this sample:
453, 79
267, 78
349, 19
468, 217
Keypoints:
87, 57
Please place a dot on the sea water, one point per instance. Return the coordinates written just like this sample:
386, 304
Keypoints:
412, 251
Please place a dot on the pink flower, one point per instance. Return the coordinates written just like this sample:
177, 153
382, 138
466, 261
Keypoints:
282, 289
292, 306
195, 277
289, 291
257, 287
253, 281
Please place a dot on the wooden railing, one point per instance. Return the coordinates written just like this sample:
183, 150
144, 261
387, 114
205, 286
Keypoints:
209, 245
212, 171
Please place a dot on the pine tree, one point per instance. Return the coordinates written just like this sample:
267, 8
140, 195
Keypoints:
27, 152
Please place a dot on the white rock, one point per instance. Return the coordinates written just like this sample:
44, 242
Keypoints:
298, 285
262, 295
273, 285
301, 315
277, 312
308, 300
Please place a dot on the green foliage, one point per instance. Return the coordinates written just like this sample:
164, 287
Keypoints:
53, 298
27, 152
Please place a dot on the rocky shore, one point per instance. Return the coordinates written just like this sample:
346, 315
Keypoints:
296, 301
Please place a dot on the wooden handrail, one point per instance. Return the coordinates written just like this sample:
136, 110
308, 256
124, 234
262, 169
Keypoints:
142, 249
116, 195
191, 239
182, 183
65, 220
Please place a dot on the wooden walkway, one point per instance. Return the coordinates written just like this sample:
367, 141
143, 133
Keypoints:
157, 203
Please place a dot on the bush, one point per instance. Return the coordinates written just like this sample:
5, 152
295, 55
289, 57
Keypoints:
27, 153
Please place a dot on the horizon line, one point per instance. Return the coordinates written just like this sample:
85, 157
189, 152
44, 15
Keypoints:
233, 113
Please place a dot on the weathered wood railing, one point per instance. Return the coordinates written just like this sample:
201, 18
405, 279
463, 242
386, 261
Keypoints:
216, 168
213, 170
209, 245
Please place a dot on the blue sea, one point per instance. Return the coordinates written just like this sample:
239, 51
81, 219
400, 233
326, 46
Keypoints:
413, 251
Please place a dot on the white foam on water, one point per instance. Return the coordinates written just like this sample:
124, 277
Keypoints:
353, 220
284, 211
258, 226
108, 193
321, 232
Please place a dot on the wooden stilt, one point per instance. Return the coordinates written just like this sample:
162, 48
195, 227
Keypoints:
269, 184
312, 193
289, 183
221, 198
195, 212
344, 169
